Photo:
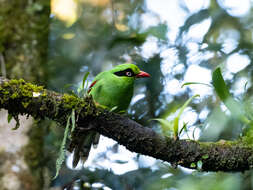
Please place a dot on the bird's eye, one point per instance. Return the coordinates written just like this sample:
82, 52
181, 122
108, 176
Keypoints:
128, 73
125, 73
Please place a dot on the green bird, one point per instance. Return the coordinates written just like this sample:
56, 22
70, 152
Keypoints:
112, 90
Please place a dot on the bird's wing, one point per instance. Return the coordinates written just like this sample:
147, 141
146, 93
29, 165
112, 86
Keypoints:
92, 84
100, 76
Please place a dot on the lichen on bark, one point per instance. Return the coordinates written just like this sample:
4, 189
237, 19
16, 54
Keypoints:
24, 28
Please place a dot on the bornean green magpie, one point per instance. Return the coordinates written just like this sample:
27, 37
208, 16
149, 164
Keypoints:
111, 89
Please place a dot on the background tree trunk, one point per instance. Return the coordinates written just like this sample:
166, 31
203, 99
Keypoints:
24, 27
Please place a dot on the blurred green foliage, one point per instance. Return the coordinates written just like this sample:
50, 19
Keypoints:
121, 31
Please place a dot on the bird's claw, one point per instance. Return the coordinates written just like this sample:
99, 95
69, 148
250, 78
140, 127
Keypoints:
85, 128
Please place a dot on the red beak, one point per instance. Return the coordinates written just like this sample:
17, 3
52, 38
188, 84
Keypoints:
142, 74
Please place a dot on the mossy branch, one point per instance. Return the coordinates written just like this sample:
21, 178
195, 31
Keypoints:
19, 97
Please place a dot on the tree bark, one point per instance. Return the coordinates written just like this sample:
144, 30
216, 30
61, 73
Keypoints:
24, 27
40, 103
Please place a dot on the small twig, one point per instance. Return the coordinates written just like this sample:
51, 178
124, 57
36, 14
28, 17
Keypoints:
3, 68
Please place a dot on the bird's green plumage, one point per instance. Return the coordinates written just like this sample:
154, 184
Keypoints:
111, 89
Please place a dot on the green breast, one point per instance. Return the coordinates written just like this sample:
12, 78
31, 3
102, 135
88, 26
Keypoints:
113, 91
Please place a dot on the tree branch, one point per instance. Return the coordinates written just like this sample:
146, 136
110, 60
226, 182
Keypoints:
19, 97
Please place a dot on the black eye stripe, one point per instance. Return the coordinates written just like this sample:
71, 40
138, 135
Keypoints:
127, 73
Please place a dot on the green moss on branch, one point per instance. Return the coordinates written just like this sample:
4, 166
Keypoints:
19, 97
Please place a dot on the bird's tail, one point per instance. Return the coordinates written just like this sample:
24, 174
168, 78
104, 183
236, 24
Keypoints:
82, 147
96, 140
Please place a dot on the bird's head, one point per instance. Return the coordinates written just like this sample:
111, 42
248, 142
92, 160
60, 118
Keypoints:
129, 70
